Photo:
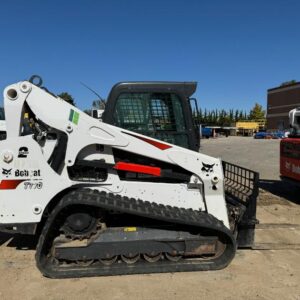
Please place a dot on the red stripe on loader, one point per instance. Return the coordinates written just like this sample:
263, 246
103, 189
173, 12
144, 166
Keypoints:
123, 166
156, 144
10, 184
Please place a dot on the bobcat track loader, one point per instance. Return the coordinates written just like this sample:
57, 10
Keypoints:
104, 200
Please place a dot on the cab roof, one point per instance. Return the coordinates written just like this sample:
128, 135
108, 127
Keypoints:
187, 88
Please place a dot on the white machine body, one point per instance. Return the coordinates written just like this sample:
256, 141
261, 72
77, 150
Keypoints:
28, 183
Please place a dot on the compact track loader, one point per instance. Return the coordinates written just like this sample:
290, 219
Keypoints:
105, 200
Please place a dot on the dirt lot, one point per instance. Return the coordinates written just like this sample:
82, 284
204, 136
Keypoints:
254, 274
258, 155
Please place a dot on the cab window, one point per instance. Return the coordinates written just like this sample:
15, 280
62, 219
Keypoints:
159, 115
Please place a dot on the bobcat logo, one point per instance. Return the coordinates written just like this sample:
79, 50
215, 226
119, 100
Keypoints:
207, 168
6, 172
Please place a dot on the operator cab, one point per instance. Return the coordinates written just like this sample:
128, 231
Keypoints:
161, 110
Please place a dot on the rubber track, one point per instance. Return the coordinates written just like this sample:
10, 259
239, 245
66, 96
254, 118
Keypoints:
187, 217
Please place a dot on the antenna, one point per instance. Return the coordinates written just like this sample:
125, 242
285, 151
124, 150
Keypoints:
90, 89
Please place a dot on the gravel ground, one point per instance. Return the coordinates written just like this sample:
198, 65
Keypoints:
253, 274
258, 155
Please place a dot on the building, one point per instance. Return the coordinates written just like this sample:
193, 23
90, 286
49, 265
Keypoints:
280, 101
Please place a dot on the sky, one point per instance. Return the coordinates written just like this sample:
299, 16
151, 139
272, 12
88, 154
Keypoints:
235, 50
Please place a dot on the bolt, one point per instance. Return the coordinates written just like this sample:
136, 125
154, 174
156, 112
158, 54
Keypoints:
7, 157
215, 180
37, 209
69, 129
25, 87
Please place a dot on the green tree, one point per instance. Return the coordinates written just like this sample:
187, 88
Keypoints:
226, 121
200, 117
216, 116
288, 82
241, 115
209, 117
236, 115
67, 97
257, 112
222, 117
231, 116
205, 116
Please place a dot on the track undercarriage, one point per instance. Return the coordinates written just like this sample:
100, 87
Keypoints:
168, 239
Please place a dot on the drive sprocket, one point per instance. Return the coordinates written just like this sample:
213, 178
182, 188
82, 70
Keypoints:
81, 223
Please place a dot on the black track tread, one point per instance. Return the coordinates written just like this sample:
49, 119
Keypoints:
108, 201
